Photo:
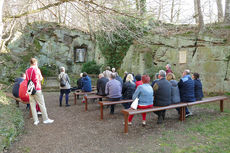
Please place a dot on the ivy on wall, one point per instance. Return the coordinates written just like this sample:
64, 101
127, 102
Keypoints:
115, 44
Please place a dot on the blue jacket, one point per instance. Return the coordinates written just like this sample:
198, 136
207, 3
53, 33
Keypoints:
86, 84
186, 86
145, 94
198, 89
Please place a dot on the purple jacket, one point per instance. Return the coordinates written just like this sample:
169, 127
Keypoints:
113, 89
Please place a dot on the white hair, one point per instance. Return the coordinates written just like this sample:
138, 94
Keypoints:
62, 69
162, 73
187, 71
168, 65
113, 69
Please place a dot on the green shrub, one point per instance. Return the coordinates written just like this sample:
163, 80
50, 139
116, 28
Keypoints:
48, 70
91, 67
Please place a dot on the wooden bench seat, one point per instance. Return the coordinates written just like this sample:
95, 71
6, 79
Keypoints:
77, 94
91, 97
105, 103
10, 95
128, 112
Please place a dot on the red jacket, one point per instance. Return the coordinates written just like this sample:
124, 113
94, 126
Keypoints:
138, 83
36, 76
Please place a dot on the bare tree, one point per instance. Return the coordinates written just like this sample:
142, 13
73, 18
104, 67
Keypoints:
227, 12
200, 15
178, 12
1, 22
172, 11
220, 10
142, 7
160, 9
196, 14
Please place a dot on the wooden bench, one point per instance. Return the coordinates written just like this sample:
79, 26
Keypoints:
106, 103
91, 97
128, 112
18, 99
77, 94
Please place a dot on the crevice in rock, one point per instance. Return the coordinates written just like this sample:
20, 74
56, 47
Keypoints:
196, 46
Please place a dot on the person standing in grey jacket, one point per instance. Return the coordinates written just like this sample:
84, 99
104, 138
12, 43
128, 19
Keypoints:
175, 92
65, 89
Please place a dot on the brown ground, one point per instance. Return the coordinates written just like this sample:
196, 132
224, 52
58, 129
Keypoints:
77, 131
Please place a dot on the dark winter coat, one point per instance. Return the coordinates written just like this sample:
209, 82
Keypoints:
128, 90
163, 93
16, 86
101, 83
186, 87
198, 89
79, 83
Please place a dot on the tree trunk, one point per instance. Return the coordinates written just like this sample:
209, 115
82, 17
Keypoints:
1, 23
137, 6
142, 7
227, 12
172, 11
201, 21
196, 12
178, 12
220, 10
159, 11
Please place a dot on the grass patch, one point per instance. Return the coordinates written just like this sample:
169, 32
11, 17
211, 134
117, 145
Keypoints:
11, 123
204, 133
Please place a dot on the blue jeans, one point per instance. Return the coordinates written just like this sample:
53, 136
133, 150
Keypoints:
66, 92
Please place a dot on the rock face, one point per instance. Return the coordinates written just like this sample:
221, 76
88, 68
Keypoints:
53, 44
207, 56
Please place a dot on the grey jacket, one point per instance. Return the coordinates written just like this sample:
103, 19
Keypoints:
66, 79
175, 97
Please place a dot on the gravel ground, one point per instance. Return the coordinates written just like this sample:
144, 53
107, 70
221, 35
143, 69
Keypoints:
77, 131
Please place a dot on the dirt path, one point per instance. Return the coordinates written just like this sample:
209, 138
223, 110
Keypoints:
77, 131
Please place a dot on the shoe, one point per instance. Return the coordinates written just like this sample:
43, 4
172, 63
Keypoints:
129, 123
160, 119
36, 122
143, 123
60, 105
39, 113
67, 105
189, 114
48, 121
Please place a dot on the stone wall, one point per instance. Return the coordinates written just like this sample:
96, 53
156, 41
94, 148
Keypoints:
205, 55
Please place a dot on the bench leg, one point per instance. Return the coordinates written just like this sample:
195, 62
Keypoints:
126, 123
86, 103
221, 105
101, 111
182, 113
30, 112
75, 99
77, 96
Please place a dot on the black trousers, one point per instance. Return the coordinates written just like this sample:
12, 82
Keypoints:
113, 106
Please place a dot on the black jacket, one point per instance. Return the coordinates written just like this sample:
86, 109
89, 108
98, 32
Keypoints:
163, 93
128, 90
79, 83
198, 89
101, 83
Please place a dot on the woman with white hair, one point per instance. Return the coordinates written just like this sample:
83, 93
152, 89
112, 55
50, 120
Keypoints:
64, 86
128, 90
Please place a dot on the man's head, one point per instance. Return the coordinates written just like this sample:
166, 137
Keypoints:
62, 69
108, 68
113, 69
186, 72
84, 74
168, 66
23, 75
162, 74
33, 62
156, 76
100, 75
113, 76
81, 75
138, 77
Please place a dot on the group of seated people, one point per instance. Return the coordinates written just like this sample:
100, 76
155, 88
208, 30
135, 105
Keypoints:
165, 90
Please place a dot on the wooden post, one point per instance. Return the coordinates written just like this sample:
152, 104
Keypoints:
101, 111
75, 99
182, 113
221, 105
126, 123
86, 103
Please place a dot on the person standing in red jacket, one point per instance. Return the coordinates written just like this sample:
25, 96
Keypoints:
168, 69
33, 73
